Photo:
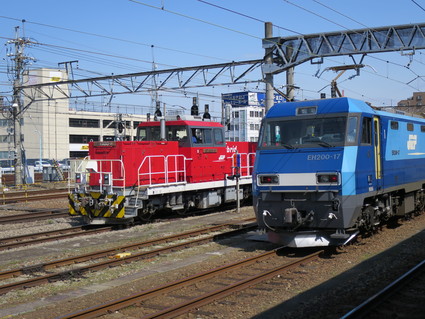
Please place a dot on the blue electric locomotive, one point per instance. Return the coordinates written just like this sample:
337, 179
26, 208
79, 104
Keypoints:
327, 169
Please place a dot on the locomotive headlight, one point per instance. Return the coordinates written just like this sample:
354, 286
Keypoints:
327, 178
269, 179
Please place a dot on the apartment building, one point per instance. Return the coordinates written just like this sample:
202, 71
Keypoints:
414, 104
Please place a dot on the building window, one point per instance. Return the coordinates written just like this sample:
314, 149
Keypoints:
5, 155
136, 124
236, 114
113, 124
6, 123
6, 138
79, 139
84, 123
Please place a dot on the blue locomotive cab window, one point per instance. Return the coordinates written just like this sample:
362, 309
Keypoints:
394, 125
318, 131
351, 130
367, 131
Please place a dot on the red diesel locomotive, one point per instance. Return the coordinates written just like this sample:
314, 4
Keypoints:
176, 163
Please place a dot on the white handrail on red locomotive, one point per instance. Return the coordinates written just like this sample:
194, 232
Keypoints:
105, 182
167, 171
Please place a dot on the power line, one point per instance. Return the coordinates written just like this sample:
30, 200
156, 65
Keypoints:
344, 15
316, 14
196, 19
111, 38
418, 5
247, 16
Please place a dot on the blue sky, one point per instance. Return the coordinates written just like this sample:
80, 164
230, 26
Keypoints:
192, 32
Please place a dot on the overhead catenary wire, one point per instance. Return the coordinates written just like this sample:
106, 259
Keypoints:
418, 5
248, 16
196, 19
111, 38
342, 14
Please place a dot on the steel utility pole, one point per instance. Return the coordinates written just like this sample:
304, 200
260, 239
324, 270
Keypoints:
19, 60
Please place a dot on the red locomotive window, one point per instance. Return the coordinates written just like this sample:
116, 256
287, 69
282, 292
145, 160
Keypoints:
218, 136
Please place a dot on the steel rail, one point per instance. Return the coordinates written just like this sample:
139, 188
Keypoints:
111, 262
31, 197
121, 303
364, 308
20, 218
60, 234
207, 298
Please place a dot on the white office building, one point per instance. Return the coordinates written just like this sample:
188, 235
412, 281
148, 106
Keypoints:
246, 112
51, 129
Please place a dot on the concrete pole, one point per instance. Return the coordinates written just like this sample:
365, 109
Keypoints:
17, 106
268, 78
289, 77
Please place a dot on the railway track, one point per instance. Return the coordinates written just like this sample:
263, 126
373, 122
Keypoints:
216, 284
111, 257
53, 235
34, 216
31, 195
403, 298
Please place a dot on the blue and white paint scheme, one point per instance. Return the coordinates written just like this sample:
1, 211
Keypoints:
327, 169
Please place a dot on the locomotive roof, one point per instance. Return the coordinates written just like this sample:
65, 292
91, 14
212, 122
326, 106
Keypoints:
334, 105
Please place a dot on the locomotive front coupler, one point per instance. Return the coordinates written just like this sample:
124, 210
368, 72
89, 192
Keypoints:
293, 217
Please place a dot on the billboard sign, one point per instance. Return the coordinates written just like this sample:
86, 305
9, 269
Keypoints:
243, 99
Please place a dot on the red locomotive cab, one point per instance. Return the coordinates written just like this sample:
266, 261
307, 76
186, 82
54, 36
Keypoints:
201, 146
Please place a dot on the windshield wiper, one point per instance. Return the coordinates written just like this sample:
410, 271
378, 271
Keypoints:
291, 147
325, 144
